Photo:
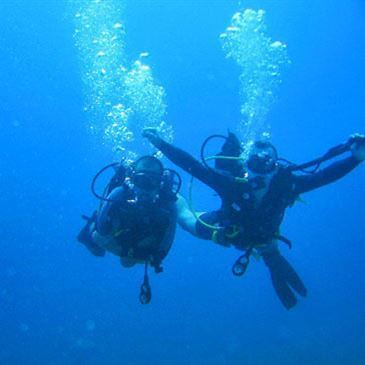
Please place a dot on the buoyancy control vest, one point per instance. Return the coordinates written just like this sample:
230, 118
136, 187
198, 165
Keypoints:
140, 228
255, 224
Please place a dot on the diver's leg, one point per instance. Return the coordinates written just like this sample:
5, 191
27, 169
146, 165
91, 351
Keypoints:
86, 237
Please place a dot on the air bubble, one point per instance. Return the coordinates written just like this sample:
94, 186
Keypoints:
118, 26
261, 63
120, 99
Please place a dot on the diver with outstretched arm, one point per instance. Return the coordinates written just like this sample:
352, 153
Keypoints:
255, 192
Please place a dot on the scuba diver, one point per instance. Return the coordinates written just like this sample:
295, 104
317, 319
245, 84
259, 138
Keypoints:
136, 219
255, 189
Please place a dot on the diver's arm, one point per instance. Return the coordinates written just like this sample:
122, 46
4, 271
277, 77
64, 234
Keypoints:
104, 222
185, 217
185, 161
336, 170
325, 176
217, 181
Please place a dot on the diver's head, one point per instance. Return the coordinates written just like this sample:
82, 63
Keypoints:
262, 158
147, 177
231, 148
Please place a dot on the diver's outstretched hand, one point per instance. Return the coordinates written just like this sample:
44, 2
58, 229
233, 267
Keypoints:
152, 135
358, 146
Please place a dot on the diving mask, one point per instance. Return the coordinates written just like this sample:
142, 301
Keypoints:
262, 158
147, 173
147, 181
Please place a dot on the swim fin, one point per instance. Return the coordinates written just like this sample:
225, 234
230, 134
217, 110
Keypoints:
284, 279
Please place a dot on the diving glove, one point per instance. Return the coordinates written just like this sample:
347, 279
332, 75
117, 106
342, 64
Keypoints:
358, 146
152, 135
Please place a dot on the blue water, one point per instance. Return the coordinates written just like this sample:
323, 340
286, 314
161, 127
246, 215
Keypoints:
60, 305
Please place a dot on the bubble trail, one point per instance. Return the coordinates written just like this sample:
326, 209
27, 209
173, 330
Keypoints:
120, 99
261, 62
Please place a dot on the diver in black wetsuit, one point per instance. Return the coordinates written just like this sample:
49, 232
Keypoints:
137, 219
255, 192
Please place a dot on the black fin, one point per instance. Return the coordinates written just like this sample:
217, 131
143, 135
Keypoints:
284, 277
283, 290
292, 277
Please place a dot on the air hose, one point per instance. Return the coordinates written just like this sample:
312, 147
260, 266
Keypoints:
202, 149
204, 162
316, 163
195, 214
93, 182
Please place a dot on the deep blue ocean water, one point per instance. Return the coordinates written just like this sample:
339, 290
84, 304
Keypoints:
60, 305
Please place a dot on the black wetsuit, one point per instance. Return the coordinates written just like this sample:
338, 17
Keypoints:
139, 228
258, 224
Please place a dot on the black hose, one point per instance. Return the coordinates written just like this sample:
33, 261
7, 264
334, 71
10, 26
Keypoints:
202, 149
100, 197
316, 163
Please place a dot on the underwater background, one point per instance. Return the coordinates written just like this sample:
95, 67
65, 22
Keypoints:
60, 305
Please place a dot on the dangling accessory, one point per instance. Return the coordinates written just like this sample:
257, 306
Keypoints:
145, 293
241, 264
